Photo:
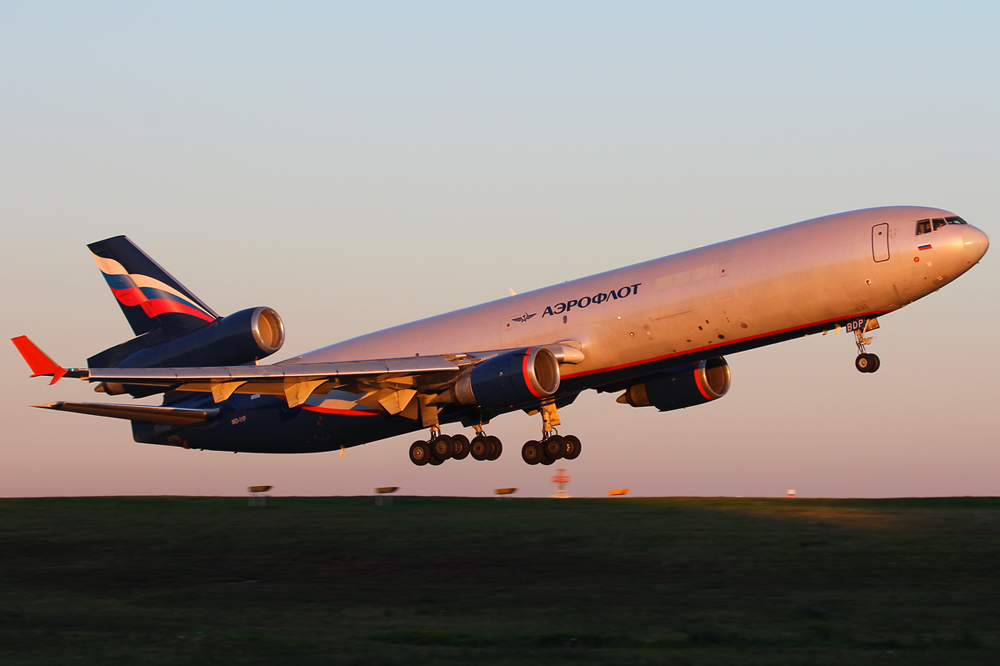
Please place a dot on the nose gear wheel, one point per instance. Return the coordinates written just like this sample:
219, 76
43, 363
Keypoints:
866, 362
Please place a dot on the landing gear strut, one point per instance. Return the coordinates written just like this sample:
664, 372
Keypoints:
866, 362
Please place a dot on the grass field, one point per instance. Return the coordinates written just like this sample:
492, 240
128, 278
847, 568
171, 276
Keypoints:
449, 580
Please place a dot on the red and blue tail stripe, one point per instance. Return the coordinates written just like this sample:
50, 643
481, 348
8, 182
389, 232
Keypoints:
154, 297
149, 296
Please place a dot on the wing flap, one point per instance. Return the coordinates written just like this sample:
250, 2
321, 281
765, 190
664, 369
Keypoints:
147, 413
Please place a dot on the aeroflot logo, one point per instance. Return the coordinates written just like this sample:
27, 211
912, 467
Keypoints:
587, 301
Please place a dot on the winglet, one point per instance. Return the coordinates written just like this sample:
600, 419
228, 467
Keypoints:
37, 360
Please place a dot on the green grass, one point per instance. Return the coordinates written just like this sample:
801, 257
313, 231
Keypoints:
454, 581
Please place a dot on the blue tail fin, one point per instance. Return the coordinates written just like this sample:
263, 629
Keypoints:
149, 296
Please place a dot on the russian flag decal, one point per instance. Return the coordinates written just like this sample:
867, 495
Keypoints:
924, 247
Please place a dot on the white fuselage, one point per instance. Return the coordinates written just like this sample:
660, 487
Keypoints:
795, 277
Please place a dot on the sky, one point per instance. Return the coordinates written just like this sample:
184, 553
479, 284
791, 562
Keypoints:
361, 165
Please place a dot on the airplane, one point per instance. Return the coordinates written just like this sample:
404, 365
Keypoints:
656, 333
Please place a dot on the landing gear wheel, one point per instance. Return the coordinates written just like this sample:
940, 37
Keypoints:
434, 461
866, 363
461, 447
442, 447
497, 447
545, 461
571, 450
480, 448
554, 447
531, 452
420, 453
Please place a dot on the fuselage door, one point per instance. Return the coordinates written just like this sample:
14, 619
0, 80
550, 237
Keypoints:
880, 242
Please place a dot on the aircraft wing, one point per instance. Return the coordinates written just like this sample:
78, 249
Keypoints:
296, 381
389, 383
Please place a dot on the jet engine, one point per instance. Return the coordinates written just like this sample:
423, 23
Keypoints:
512, 378
686, 386
243, 337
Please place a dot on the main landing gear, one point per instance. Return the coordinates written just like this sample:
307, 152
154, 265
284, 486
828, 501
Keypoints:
553, 446
549, 449
866, 362
457, 447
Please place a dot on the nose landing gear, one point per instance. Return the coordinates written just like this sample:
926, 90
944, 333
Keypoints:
866, 362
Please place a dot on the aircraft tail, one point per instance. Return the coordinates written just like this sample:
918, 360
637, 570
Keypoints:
149, 296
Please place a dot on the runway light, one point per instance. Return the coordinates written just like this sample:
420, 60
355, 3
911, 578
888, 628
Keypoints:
505, 493
257, 495
383, 495
619, 491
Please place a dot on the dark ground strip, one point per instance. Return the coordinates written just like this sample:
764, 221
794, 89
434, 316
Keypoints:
447, 580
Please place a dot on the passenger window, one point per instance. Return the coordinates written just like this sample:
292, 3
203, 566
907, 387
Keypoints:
955, 220
923, 227
938, 223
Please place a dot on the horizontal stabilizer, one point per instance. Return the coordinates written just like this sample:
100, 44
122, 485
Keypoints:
148, 414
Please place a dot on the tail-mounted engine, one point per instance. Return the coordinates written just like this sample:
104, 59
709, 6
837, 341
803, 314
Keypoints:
513, 378
685, 386
243, 337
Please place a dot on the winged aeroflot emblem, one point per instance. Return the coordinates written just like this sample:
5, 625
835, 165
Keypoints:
525, 317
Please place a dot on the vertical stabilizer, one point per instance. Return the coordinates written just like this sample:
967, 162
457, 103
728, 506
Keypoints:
149, 297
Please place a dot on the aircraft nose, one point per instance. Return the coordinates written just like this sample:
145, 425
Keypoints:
975, 242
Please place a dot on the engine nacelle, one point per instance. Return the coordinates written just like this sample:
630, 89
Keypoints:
243, 337
685, 386
513, 378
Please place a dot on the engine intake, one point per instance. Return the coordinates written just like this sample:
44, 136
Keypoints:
243, 337
512, 378
686, 386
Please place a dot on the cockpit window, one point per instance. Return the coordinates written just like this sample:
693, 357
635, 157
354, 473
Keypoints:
927, 226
